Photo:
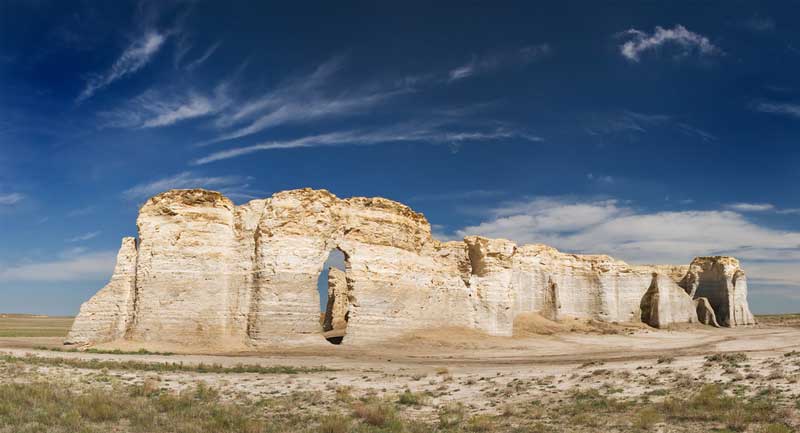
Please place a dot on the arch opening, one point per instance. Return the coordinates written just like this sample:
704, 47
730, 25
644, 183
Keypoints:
334, 297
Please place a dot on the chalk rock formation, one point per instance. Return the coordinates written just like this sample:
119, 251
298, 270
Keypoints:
666, 303
338, 307
722, 281
208, 273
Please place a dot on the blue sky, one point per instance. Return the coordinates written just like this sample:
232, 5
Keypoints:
652, 133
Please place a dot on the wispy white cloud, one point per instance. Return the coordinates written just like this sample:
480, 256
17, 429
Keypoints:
10, 198
205, 56
751, 207
79, 266
152, 109
616, 228
183, 180
84, 237
783, 108
762, 207
404, 133
135, 57
631, 122
195, 106
599, 178
493, 61
686, 40
301, 100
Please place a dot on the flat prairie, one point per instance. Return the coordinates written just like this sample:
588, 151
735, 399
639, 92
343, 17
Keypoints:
551, 377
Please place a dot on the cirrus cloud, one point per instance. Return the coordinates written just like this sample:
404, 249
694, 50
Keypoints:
135, 57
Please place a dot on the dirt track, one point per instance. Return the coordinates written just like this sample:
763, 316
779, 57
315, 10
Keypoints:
452, 366
465, 350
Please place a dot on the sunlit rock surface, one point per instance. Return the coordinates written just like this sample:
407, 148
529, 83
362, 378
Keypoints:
204, 272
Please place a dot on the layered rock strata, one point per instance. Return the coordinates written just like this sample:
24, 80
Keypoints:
208, 273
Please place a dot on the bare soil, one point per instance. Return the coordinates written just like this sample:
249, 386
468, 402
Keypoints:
544, 363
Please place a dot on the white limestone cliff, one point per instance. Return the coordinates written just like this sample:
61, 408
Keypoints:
722, 281
204, 272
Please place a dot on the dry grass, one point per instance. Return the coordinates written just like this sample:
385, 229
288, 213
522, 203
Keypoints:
96, 364
23, 325
50, 407
792, 320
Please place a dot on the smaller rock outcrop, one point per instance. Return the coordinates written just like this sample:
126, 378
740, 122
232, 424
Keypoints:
665, 303
723, 282
338, 307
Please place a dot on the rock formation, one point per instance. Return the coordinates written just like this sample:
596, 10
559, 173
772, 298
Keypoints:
665, 303
722, 281
208, 273
338, 306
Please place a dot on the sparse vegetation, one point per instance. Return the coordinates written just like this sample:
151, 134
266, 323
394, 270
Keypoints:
96, 364
723, 392
26, 325
102, 351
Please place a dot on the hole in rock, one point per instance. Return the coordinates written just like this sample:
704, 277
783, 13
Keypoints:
334, 297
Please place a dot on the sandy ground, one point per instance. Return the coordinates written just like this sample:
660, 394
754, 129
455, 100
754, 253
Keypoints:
485, 374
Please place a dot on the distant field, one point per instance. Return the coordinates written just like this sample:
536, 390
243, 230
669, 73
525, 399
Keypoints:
26, 325
792, 320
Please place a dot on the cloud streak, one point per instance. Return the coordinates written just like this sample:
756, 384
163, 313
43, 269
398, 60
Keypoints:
186, 179
202, 59
688, 41
134, 58
154, 110
81, 267
631, 122
782, 108
298, 101
195, 106
406, 133
490, 62
751, 207
84, 237
10, 199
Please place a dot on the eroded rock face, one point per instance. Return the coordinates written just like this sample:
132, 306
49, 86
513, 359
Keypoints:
722, 281
338, 308
665, 303
206, 272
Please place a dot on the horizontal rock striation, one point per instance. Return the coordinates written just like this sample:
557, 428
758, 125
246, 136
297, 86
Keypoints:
204, 272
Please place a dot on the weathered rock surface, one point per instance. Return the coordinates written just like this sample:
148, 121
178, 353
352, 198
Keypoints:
206, 272
666, 303
338, 307
723, 282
